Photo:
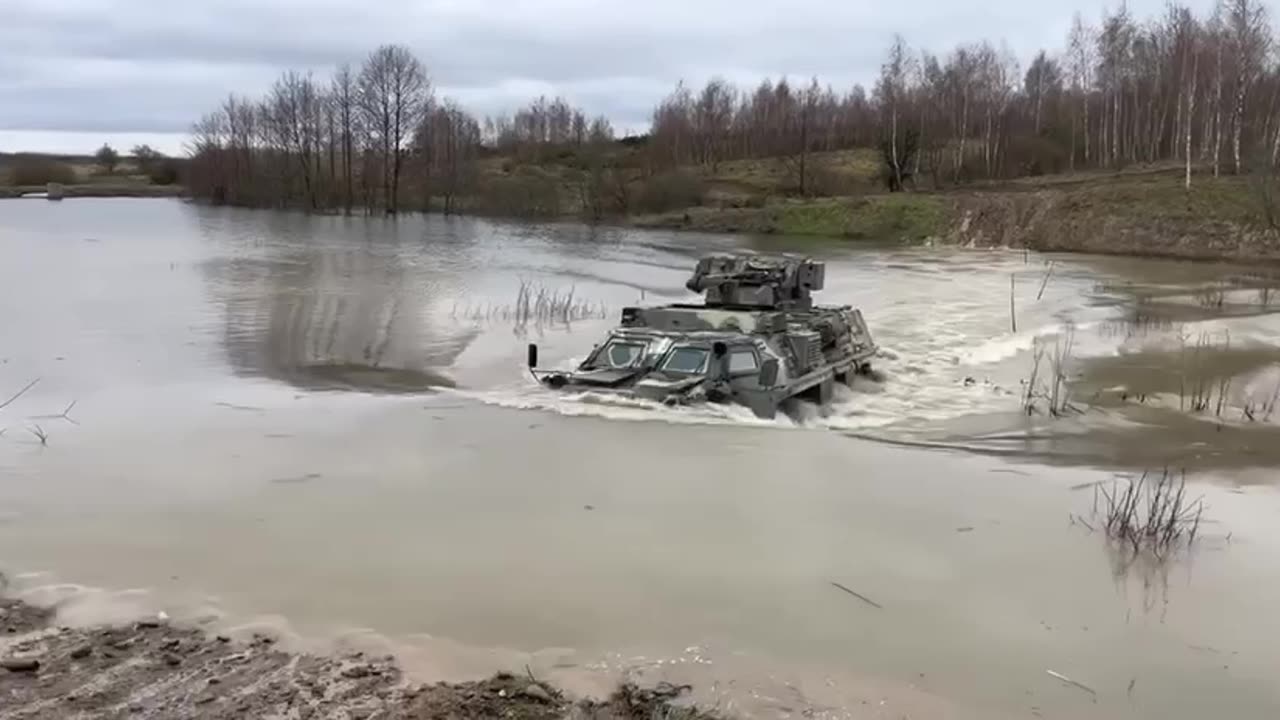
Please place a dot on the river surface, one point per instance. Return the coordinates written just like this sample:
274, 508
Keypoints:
323, 426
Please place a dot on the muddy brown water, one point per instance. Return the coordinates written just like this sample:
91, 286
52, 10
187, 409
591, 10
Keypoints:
322, 426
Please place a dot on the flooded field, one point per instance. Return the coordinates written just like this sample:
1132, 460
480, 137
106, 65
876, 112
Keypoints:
323, 426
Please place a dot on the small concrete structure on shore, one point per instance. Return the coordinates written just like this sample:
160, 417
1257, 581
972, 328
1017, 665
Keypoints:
54, 191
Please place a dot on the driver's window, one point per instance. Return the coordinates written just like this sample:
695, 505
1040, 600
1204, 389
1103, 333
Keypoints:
743, 361
621, 355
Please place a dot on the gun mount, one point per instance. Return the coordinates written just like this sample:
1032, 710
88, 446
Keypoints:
756, 281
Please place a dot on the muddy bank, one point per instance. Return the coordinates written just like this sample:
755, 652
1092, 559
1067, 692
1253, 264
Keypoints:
153, 669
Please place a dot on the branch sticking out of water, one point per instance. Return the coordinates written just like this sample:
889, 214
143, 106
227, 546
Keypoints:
64, 415
1013, 317
40, 434
19, 394
1045, 283
1073, 683
858, 595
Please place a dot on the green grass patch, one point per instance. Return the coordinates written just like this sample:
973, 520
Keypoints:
1231, 199
905, 217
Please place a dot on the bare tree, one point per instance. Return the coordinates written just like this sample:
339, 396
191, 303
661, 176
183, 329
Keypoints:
450, 137
344, 91
892, 93
1248, 36
1080, 51
1041, 84
712, 116
1217, 37
393, 94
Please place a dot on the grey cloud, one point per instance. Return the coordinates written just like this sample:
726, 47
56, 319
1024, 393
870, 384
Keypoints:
143, 65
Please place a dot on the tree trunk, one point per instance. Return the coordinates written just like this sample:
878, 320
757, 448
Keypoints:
1217, 111
1085, 102
804, 151
963, 131
986, 146
1275, 147
1217, 137
1238, 123
346, 169
920, 144
1191, 113
1075, 129
1115, 127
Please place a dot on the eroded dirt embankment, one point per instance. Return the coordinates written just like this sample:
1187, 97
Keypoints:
1141, 214
152, 669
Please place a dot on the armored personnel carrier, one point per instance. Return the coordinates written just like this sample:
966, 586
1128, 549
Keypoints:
756, 340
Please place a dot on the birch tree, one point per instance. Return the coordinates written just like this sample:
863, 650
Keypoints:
1247, 35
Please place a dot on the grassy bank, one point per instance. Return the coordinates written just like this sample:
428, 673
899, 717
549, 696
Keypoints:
128, 190
1139, 212
901, 217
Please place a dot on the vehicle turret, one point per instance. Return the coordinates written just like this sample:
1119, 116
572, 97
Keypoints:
778, 282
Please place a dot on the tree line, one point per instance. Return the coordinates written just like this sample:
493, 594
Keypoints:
1200, 91
371, 138
1172, 88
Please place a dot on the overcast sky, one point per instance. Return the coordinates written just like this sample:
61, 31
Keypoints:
76, 73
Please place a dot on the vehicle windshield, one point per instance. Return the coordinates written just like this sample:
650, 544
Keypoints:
619, 354
690, 360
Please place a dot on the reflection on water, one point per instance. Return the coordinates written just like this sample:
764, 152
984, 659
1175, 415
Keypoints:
416, 508
332, 310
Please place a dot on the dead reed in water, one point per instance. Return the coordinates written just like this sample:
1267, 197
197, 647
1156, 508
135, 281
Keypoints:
1151, 515
1212, 296
1197, 385
1261, 411
1052, 394
535, 305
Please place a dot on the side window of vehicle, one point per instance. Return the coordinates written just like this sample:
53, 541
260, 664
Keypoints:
743, 361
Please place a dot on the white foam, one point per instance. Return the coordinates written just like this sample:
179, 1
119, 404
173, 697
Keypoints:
619, 407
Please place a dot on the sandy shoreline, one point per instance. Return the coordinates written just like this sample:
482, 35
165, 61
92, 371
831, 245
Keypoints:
153, 668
